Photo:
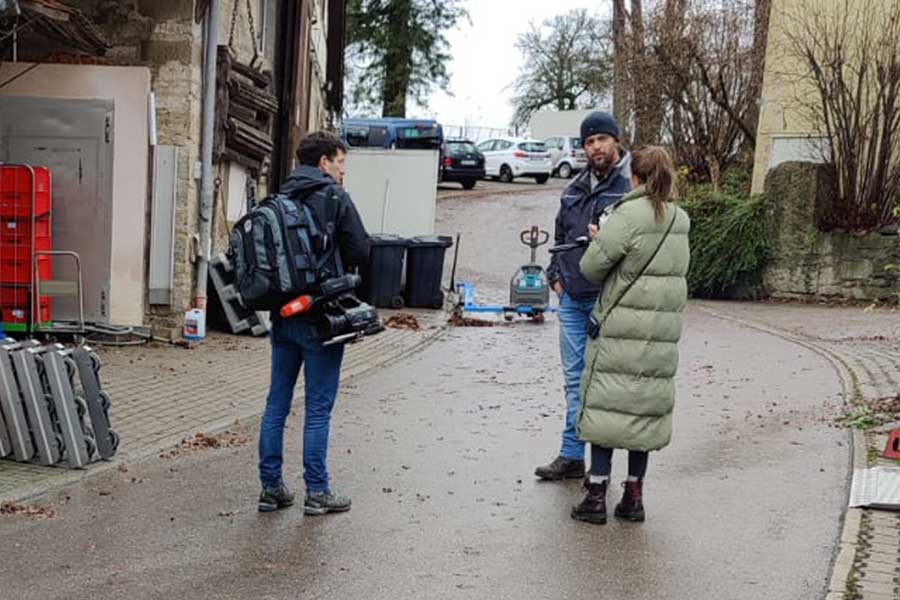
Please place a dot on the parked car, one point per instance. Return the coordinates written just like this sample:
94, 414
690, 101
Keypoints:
567, 155
508, 158
462, 162
393, 132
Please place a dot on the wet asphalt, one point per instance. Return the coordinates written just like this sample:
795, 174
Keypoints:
438, 451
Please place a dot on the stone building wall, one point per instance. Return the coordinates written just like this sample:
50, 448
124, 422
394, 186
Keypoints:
164, 36
811, 264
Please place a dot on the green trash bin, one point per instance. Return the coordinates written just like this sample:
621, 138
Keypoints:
425, 270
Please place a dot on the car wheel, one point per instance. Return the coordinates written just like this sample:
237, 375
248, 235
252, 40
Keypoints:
506, 174
468, 184
541, 178
565, 170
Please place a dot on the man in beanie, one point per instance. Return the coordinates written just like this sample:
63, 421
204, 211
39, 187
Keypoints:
607, 178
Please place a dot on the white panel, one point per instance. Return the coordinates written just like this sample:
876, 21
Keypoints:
788, 149
237, 192
878, 487
162, 224
547, 123
395, 191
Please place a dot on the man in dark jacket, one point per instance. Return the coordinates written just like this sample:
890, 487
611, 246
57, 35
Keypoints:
296, 343
606, 179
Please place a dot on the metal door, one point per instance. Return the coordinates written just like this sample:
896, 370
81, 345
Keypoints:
73, 138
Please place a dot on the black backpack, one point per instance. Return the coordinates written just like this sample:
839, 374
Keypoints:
280, 250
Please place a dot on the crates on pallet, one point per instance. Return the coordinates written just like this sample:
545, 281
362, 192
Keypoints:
25, 233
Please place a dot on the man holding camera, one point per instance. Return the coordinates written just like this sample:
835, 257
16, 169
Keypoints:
606, 179
296, 341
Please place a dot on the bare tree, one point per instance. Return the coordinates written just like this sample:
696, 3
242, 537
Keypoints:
851, 60
705, 65
566, 65
621, 104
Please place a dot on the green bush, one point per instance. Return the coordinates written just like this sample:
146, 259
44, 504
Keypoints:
729, 247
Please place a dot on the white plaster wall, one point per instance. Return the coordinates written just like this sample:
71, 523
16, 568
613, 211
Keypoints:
128, 88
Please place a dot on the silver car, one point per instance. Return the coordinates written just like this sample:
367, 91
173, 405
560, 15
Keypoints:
566, 154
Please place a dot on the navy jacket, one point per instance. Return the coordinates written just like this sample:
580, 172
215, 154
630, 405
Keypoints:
313, 184
579, 207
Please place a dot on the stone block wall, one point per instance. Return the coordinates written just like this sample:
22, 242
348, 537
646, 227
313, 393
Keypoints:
810, 264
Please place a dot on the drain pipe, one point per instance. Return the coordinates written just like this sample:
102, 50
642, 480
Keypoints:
206, 149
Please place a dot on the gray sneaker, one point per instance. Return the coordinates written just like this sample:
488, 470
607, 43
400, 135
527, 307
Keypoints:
321, 503
273, 498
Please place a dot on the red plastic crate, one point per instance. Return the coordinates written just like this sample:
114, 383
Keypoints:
20, 229
16, 296
15, 191
18, 270
19, 314
21, 248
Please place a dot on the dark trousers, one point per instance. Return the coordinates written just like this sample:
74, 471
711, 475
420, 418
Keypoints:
601, 462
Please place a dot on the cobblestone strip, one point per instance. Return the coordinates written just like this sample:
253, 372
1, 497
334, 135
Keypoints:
154, 410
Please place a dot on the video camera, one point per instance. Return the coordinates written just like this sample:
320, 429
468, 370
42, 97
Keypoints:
339, 315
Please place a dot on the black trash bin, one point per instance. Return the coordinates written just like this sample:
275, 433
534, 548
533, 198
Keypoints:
425, 270
382, 277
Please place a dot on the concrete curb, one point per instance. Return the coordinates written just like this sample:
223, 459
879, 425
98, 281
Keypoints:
845, 551
67, 478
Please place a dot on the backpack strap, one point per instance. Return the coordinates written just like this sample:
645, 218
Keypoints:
326, 233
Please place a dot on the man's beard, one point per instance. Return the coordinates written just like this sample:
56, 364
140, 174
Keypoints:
601, 167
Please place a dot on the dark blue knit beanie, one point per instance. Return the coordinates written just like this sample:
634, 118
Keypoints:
598, 122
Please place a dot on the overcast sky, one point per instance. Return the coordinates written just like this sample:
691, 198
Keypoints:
486, 61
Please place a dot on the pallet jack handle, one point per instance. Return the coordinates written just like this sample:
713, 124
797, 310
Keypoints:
534, 238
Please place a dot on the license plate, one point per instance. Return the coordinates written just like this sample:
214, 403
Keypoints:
537, 158
467, 163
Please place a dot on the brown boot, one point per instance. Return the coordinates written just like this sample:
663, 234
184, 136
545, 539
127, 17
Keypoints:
561, 468
593, 508
631, 508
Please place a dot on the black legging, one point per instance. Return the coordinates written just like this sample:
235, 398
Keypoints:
601, 462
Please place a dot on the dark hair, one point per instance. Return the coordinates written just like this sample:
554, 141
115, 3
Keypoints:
317, 144
654, 168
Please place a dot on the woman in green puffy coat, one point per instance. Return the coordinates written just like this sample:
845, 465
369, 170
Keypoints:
640, 254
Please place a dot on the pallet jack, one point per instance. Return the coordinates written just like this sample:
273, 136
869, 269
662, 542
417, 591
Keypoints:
529, 288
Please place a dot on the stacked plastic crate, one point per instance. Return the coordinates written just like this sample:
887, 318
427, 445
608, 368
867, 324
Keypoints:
25, 225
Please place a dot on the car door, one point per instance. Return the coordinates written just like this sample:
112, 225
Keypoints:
503, 153
490, 160
553, 146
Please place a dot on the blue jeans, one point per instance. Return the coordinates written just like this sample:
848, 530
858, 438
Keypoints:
573, 322
296, 343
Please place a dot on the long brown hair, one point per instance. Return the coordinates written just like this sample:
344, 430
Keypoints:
654, 168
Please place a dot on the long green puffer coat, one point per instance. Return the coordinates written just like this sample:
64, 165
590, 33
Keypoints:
628, 387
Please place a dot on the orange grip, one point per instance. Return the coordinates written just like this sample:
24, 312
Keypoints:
298, 305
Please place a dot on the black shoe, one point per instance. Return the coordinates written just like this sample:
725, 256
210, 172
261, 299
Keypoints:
273, 498
593, 508
631, 508
561, 468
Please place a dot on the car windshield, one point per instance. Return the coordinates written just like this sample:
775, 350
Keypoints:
461, 148
532, 147
576, 143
